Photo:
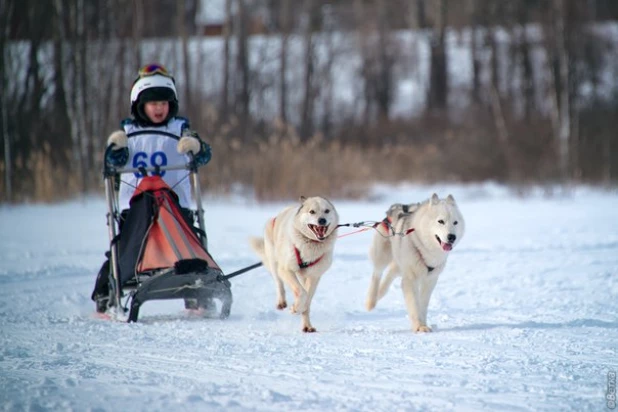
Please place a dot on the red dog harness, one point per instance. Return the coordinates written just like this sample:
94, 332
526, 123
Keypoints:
301, 264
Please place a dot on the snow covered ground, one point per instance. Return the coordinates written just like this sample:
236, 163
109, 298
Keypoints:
524, 317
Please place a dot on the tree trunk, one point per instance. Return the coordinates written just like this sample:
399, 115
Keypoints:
6, 11
308, 99
285, 31
366, 69
62, 124
497, 110
561, 120
565, 108
494, 61
438, 75
82, 107
476, 64
244, 97
421, 19
384, 81
225, 86
181, 6
70, 92
327, 83
138, 30
526, 64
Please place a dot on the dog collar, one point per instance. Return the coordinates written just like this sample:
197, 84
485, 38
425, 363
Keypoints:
301, 263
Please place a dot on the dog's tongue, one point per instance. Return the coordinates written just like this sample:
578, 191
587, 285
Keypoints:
447, 247
320, 231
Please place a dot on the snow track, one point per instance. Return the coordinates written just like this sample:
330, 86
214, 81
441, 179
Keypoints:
524, 318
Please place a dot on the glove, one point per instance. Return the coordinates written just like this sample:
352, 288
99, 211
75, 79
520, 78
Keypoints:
116, 157
117, 152
118, 138
189, 142
204, 155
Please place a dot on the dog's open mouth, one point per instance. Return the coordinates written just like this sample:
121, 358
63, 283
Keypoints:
446, 246
319, 231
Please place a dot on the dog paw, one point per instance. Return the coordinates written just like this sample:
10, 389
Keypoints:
309, 329
282, 305
370, 305
300, 305
422, 328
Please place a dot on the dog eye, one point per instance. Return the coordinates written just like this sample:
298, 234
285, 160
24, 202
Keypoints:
312, 212
327, 211
441, 221
455, 222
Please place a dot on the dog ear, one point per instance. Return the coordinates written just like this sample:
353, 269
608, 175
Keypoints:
435, 199
394, 207
302, 199
412, 207
450, 200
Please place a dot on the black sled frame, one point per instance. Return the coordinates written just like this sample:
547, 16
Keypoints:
199, 286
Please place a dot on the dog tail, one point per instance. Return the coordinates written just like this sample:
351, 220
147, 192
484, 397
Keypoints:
257, 244
379, 286
391, 274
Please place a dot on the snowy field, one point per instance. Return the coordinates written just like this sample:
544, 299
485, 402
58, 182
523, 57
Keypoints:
524, 317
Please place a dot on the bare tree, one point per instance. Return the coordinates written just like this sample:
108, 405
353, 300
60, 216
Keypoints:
181, 23
364, 34
525, 60
378, 50
386, 51
82, 109
225, 84
475, 49
558, 67
283, 58
331, 55
243, 98
438, 75
73, 89
138, 29
6, 11
306, 128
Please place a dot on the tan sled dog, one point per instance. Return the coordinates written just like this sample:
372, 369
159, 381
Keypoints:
415, 245
297, 249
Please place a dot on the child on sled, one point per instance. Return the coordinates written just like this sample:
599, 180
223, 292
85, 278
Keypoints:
154, 136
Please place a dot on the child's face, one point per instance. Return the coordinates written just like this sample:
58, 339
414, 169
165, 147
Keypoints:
157, 111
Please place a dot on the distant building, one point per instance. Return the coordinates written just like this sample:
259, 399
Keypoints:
210, 17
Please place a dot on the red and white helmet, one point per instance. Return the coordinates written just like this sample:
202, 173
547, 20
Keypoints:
154, 83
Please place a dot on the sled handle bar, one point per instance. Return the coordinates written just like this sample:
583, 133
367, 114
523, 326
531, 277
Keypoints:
188, 166
191, 167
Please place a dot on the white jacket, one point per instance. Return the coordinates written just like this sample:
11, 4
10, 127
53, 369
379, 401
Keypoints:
151, 146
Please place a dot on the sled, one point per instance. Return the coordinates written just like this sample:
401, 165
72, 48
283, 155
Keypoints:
160, 254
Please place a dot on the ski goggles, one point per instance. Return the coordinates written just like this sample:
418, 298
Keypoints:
152, 69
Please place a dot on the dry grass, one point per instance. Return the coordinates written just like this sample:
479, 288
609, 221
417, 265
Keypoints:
277, 165
282, 168
276, 169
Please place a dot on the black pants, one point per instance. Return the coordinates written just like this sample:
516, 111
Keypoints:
101, 286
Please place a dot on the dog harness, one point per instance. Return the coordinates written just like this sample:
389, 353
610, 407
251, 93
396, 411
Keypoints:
387, 224
302, 264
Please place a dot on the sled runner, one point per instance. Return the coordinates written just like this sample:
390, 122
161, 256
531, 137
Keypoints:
156, 251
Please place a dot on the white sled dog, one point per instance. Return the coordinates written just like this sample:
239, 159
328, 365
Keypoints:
414, 241
297, 249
